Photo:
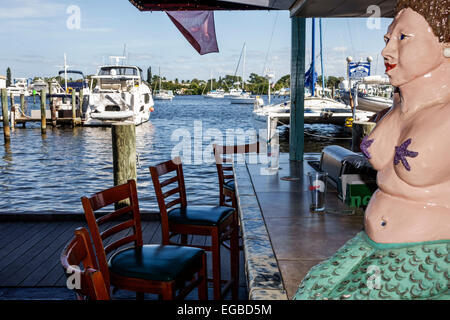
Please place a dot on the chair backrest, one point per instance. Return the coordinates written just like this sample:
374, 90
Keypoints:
122, 220
223, 160
177, 194
80, 266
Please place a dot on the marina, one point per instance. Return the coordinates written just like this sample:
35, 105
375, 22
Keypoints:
122, 185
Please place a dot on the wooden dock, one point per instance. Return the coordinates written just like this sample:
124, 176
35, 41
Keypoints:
30, 266
282, 239
59, 121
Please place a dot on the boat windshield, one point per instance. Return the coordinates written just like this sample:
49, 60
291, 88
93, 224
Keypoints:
119, 71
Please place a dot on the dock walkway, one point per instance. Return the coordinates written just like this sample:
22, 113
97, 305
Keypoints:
30, 267
282, 239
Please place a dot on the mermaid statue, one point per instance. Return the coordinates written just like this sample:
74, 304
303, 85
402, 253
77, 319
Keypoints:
403, 252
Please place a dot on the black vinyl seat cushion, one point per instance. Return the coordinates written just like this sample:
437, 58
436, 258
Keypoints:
155, 262
229, 185
199, 215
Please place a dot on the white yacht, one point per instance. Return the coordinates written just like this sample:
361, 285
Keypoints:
233, 92
163, 95
38, 85
215, 94
120, 95
243, 98
19, 86
374, 93
61, 95
317, 110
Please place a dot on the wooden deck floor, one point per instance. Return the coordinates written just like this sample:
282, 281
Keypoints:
30, 252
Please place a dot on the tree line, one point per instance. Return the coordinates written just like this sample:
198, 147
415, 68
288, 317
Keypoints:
255, 84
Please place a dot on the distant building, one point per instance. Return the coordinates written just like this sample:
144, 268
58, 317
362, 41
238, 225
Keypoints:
2, 82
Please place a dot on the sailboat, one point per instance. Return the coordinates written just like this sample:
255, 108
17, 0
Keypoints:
214, 94
318, 109
162, 94
243, 97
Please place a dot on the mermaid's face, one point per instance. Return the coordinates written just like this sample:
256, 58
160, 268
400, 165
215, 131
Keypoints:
412, 50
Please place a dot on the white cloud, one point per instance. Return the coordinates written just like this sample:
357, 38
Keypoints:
27, 9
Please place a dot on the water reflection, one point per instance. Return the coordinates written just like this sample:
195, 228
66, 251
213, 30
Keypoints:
49, 173
7, 156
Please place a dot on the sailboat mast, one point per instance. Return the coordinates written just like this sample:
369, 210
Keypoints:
160, 79
65, 72
321, 58
243, 69
313, 53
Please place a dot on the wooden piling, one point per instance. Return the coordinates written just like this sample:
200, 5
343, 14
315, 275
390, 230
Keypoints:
12, 114
43, 115
360, 129
80, 102
124, 153
6, 130
52, 105
74, 107
23, 107
13, 117
22, 103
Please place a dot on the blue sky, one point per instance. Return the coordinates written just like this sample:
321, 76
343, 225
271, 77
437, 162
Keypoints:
34, 37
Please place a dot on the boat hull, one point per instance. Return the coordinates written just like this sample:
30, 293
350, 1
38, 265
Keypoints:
106, 119
369, 103
242, 100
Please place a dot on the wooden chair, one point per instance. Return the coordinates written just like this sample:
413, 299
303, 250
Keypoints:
218, 222
158, 269
80, 266
223, 157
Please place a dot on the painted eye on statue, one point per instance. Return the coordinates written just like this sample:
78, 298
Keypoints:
403, 36
386, 40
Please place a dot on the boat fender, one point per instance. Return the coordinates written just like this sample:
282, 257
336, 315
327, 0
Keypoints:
349, 122
152, 109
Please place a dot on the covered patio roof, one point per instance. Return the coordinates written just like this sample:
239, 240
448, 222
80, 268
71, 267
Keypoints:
298, 8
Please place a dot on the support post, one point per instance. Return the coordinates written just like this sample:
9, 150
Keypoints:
6, 130
360, 129
43, 115
12, 114
13, 117
296, 132
80, 102
124, 153
52, 105
74, 108
23, 107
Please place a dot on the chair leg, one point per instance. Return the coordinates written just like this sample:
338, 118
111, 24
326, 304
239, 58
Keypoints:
215, 246
221, 199
234, 259
168, 292
184, 239
203, 285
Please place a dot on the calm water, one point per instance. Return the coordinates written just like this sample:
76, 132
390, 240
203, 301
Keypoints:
49, 174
